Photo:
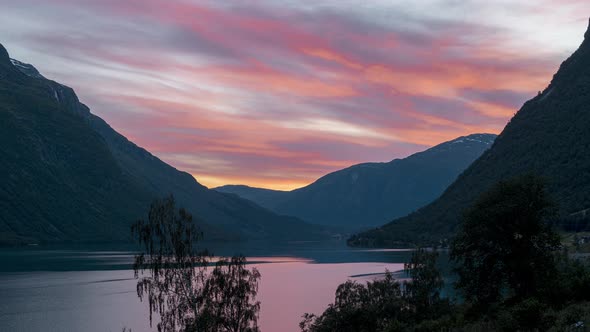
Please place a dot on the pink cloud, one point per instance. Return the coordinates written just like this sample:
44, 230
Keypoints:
234, 93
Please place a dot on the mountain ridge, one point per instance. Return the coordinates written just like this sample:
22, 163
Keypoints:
70, 177
548, 136
366, 194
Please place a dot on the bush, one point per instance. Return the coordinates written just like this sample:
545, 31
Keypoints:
386, 304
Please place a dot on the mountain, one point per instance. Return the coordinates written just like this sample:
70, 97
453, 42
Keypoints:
365, 195
267, 198
67, 176
548, 136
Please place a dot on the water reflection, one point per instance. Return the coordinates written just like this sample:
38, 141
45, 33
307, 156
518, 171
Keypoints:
92, 289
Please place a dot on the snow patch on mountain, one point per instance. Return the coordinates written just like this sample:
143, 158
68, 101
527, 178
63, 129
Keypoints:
26, 69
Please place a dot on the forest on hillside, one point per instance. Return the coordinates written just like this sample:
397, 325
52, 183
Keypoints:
511, 272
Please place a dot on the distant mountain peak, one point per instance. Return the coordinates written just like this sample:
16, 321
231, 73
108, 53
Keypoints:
367, 194
478, 138
548, 136
482, 140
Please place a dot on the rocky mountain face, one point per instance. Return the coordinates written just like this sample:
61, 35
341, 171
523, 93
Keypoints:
368, 194
548, 136
69, 177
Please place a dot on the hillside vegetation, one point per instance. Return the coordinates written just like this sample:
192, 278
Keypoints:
548, 136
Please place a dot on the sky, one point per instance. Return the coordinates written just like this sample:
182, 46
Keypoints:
278, 93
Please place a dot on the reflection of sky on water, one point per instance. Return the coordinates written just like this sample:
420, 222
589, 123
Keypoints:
94, 290
121, 257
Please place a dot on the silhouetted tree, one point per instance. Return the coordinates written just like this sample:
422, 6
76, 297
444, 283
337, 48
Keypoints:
230, 293
505, 247
174, 278
423, 291
385, 304
360, 307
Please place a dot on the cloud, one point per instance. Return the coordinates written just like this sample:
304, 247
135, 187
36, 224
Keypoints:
278, 93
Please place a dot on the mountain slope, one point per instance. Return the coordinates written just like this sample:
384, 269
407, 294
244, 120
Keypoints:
366, 194
68, 176
548, 136
267, 198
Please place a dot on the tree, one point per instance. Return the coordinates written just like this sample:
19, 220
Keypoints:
385, 304
505, 246
423, 291
174, 278
230, 291
373, 306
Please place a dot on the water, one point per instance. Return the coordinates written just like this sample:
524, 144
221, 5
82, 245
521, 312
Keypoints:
94, 289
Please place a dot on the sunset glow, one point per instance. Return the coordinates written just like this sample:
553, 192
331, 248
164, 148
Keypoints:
278, 93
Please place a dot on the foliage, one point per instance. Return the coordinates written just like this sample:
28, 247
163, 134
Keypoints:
510, 270
69, 177
385, 304
571, 283
423, 292
174, 278
511, 274
574, 223
360, 307
505, 244
548, 136
60, 181
230, 293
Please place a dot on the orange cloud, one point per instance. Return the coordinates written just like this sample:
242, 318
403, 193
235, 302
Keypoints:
269, 97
